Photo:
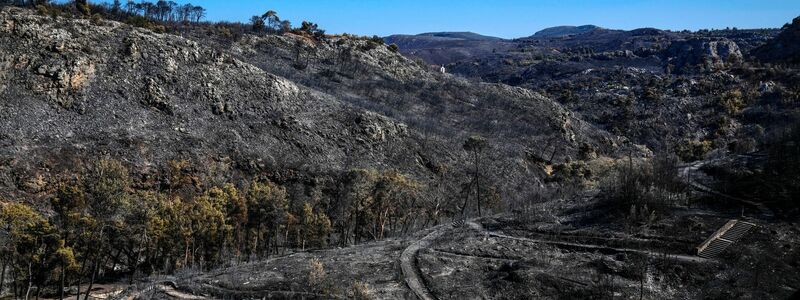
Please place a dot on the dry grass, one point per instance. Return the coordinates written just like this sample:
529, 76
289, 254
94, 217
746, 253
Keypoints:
359, 291
316, 273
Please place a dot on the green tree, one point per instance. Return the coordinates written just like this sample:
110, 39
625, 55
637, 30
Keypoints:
209, 231
137, 235
374, 203
267, 211
170, 232
235, 208
83, 7
69, 205
65, 258
354, 217
31, 244
272, 21
107, 188
257, 23
312, 29
395, 202
285, 26
314, 226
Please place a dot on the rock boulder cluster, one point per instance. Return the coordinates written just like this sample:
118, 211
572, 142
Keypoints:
708, 53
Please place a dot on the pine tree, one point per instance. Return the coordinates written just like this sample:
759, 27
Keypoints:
83, 7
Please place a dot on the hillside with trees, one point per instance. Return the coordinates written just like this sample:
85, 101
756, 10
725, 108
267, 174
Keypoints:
148, 153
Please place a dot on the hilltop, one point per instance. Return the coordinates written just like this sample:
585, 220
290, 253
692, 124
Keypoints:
448, 47
560, 31
469, 36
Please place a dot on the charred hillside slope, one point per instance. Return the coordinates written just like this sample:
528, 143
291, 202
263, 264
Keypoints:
75, 90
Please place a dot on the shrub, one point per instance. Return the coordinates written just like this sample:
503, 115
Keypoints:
97, 19
394, 48
691, 150
42, 10
316, 273
645, 190
377, 40
587, 151
732, 102
567, 96
83, 7
571, 171
142, 22
359, 291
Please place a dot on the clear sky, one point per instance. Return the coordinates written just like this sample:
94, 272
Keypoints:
508, 18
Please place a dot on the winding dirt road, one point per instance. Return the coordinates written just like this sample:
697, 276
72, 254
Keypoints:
408, 262
413, 276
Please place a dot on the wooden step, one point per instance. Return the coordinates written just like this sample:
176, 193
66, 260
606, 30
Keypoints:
723, 238
737, 232
715, 248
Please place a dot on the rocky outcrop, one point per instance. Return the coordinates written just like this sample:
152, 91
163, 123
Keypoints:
785, 48
708, 53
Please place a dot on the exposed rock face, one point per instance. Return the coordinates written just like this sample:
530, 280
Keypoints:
785, 48
380, 128
705, 52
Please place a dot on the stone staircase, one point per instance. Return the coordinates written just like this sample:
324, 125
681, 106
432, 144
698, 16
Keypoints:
726, 236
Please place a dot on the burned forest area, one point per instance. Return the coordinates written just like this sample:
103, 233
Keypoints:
149, 153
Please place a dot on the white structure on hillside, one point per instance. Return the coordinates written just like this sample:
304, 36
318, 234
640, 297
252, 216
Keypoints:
443, 70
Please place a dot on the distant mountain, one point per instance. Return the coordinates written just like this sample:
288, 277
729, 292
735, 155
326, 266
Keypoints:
559, 31
448, 47
471, 36
439, 36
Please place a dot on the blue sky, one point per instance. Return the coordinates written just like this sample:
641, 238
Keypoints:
508, 18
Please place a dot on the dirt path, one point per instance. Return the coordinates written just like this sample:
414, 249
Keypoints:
408, 263
165, 288
173, 293
680, 257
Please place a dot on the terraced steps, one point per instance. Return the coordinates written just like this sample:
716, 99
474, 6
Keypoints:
723, 238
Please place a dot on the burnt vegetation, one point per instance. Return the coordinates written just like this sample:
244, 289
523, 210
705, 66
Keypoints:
611, 151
